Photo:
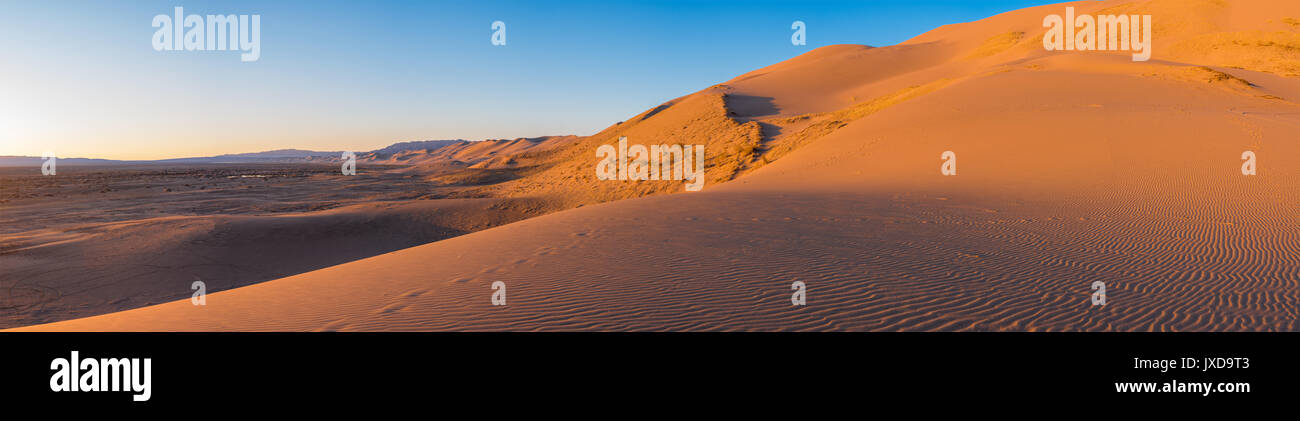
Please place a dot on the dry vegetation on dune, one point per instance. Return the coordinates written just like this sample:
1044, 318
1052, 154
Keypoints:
1074, 167
697, 119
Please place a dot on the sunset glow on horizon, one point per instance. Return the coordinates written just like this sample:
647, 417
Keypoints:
83, 80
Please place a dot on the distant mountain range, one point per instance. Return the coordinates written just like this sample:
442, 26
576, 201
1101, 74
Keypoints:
33, 161
280, 155
276, 156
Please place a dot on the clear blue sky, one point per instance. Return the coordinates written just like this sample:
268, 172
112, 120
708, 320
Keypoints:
82, 78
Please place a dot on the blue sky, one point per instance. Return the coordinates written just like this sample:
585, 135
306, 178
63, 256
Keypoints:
82, 78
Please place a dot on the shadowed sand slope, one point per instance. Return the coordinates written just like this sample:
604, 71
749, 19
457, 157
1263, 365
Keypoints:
1072, 168
130, 264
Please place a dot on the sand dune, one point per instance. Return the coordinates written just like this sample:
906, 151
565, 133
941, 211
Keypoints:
467, 153
152, 261
1073, 167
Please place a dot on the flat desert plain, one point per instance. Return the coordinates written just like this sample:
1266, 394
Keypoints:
1071, 168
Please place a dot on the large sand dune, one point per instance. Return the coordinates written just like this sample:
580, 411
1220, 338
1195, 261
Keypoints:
1073, 167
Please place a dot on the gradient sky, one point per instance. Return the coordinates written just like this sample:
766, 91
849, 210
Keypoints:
81, 79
